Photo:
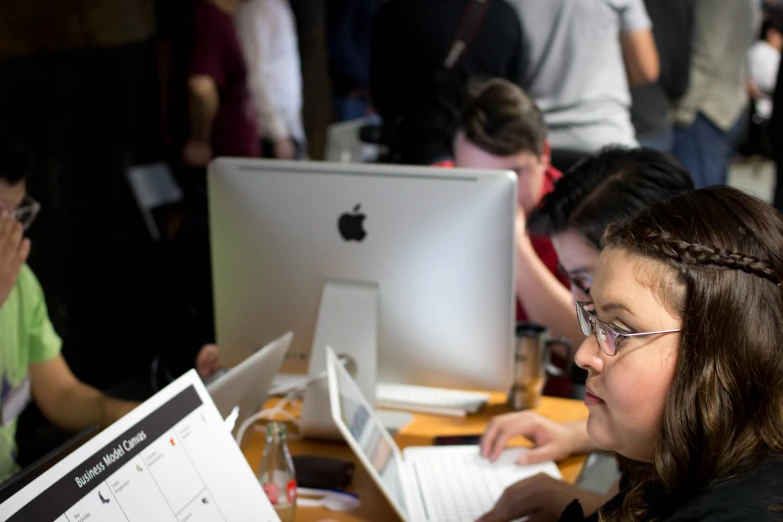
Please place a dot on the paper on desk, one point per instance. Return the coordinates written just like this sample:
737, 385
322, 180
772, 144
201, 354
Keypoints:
169, 460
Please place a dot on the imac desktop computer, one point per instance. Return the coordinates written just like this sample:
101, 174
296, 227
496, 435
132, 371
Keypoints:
414, 262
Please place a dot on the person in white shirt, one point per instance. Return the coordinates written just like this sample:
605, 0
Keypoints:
763, 64
267, 34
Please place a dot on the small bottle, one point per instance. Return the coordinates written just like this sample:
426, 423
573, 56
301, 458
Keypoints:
276, 473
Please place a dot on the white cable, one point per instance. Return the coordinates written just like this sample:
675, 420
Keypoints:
279, 408
297, 387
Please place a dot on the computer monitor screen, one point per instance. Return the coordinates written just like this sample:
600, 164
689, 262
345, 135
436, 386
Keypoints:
438, 244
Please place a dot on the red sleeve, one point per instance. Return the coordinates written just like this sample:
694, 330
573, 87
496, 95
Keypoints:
543, 245
550, 178
444, 164
205, 53
546, 252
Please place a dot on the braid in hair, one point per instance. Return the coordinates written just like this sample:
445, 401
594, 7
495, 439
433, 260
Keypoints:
670, 247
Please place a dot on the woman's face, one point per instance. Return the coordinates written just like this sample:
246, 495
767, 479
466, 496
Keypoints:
578, 259
626, 393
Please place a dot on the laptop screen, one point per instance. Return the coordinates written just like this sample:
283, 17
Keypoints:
369, 436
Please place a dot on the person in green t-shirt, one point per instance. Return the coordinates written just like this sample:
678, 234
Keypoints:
31, 366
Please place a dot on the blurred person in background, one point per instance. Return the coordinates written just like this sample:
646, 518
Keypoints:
763, 66
501, 128
764, 62
651, 111
350, 30
582, 57
222, 123
774, 133
222, 119
709, 118
267, 33
310, 16
423, 55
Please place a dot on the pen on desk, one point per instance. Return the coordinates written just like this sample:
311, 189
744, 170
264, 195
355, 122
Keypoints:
419, 408
333, 500
312, 491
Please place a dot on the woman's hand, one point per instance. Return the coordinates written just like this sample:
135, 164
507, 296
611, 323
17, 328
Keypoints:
553, 440
542, 498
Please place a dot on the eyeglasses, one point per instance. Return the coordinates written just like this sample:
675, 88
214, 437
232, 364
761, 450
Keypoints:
26, 212
609, 337
582, 283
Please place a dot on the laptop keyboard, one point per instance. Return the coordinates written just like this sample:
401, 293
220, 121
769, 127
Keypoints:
458, 487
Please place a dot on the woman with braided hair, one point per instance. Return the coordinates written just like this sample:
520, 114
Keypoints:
685, 359
612, 185
684, 340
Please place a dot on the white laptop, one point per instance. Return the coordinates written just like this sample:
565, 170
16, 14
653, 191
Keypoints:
169, 460
246, 385
432, 484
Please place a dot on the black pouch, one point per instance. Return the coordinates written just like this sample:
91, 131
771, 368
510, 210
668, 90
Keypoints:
323, 472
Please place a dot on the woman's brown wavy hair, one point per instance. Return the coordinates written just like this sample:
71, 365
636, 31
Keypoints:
724, 412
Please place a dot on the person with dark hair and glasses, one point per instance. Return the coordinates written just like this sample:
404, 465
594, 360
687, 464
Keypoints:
31, 366
611, 185
615, 184
685, 380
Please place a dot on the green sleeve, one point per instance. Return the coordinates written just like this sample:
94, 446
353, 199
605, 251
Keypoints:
44, 344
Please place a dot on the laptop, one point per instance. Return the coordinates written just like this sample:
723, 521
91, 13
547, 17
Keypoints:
432, 483
243, 389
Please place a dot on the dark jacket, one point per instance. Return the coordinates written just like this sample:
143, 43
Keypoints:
755, 496
409, 44
673, 29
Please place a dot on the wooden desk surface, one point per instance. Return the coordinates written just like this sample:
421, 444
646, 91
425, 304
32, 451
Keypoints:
419, 432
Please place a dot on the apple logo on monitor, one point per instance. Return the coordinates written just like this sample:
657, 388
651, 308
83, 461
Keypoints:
351, 225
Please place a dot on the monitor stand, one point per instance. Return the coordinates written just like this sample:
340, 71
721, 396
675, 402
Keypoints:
348, 323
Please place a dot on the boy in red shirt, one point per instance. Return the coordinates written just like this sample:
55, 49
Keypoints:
501, 128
